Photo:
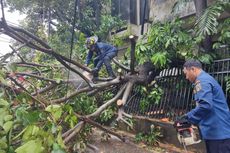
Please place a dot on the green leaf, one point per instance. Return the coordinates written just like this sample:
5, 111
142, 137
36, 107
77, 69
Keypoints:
57, 149
55, 110
3, 144
60, 140
2, 151
8, 125
3, 112
3, 103
31, 131
32, 146
58, 80
2, 80
8, 118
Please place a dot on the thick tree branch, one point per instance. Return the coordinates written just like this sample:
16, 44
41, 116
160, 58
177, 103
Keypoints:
56, 101
132, 54
121, 65
43, 90
47, 49
27, 92
38, 77
88, 120
70, 134
106, 104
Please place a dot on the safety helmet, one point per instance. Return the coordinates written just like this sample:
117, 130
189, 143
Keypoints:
91, 41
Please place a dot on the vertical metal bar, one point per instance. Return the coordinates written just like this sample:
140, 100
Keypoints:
166, 107
188, 96
164, 79
184, 89
180, 98
228, 74
174, 94
168, 73
161, 81
228, 70
222, 74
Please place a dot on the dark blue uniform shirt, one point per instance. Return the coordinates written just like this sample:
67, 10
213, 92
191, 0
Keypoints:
212, 112
104, 49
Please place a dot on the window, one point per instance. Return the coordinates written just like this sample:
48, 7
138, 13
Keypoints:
131, 10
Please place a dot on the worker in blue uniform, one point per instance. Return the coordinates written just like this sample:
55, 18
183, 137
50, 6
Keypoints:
104, 54
212, 113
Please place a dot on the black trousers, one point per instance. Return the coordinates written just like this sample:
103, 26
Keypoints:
218, 146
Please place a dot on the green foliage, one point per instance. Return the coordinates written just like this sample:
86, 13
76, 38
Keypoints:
207, 24
55, 110
206, 58
34, 146
84, 104
159, 59
119, 41
224, 37
6, 125
165, 41
70, 118
150, 138
152, 96
35, 129
107, 114
108, 23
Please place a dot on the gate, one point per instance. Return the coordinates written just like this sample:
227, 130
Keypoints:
177, 96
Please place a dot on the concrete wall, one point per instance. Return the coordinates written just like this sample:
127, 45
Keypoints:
142, 124
161, 10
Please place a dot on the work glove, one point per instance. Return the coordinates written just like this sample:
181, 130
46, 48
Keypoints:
182, 122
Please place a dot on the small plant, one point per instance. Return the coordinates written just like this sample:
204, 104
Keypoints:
151, 138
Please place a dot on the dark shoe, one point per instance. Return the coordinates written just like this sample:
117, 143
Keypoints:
94, 79
95, 72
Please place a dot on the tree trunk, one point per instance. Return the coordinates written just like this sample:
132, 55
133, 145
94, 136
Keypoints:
200, 6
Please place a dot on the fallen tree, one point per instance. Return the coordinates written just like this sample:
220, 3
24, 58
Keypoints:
126, 81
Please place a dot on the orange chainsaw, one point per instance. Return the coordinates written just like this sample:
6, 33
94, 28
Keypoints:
186, 134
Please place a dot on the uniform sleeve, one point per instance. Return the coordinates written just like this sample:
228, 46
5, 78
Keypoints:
89, 57
203, 97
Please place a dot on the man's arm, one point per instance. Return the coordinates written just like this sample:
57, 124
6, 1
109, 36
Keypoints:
204, 101
89, 57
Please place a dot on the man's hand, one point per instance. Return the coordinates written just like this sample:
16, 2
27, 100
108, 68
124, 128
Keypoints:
182, 122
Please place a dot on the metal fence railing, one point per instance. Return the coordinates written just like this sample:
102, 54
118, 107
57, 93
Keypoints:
177, 96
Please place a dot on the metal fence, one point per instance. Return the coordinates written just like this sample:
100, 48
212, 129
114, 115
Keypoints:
177, 96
